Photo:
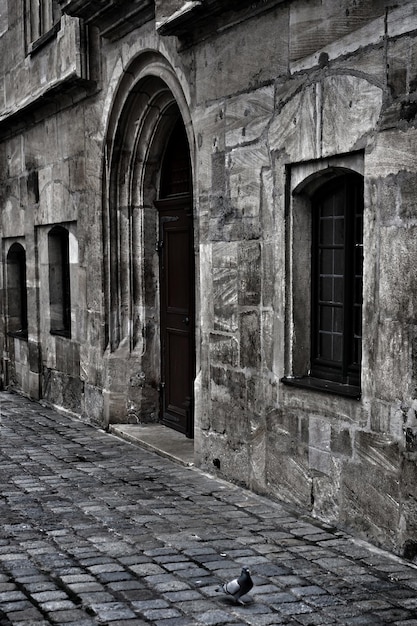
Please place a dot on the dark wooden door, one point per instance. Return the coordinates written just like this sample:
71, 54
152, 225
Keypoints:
176, 245
177, 316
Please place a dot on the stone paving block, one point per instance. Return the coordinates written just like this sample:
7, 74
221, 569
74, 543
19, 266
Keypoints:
314, 619
195, 606
172, 586
147, 569
67, 616
161, 614
104, 568
24, 620
215, 617
77, 578
143, 605
107, 577
21, 605
82, 621
112, 611
270, 619
292, 608
264, 586
363, 620
91, 597
125, 585
85, 587
48, 596
57, 605
307, 590
11, 596
324, 600
29, 615
176, 621
134, 621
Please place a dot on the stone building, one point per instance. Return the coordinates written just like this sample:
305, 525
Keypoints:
208, 219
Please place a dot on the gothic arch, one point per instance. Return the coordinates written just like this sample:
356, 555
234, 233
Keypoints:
148, 100
147, 104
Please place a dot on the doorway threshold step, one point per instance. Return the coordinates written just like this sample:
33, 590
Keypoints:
159, 439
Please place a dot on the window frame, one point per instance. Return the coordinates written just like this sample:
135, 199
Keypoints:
16, 282
59, 281
303, 181
350, 189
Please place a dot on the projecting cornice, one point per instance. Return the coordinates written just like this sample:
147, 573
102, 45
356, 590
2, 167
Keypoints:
183, 18
113, 18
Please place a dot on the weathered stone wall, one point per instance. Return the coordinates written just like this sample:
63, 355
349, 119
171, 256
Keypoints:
272, 95
346, 93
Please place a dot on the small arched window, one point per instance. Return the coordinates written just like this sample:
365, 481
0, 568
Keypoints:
59, 281
325, 233
17, 318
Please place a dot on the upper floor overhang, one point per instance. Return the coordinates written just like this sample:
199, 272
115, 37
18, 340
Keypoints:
115, 18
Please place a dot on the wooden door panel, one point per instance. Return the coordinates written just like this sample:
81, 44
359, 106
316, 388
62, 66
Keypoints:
177, 282
177, 317
176, 241
177, 397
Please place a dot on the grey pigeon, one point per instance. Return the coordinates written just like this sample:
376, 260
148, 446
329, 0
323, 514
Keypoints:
238, 586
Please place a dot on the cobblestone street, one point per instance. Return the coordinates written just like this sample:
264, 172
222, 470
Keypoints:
96, 530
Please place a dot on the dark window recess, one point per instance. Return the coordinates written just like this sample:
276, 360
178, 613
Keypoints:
17, 310
176, 166
59, 281
336, 288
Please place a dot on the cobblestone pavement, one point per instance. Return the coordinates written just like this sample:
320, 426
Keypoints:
98, 531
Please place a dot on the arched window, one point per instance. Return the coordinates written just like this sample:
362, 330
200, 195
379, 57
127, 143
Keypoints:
336, 294
17, 320
324, 278
59, 281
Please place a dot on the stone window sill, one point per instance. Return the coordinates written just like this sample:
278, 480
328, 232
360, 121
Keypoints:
323, 386
61, 333
18, 334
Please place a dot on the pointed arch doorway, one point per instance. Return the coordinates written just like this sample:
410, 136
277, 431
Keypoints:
150, 351
177, 284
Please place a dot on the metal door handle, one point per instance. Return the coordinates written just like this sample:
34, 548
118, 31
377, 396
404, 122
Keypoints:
186, 320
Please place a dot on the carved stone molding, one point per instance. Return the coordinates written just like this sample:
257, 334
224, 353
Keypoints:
113, 18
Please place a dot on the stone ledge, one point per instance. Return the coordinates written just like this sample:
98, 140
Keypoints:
191, 15
113, 18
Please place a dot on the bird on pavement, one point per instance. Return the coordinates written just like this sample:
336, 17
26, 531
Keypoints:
238, 587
